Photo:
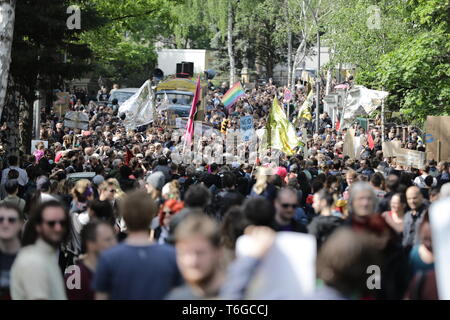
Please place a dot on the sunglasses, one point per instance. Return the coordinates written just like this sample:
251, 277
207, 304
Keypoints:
11, 220
287, 205
52, 223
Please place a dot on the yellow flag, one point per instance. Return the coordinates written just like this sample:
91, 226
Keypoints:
280, 132
305, 110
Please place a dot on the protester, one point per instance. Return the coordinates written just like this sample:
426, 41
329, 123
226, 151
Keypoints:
11, 223
285, 204
136, 269
199, 257
326, 222
413, 218
96, 237
12, 188
35, 274
395, 216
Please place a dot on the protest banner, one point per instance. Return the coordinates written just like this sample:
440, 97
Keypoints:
139, 109
247, 129
410, 158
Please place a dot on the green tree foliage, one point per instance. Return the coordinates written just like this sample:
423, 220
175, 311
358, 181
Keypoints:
408, 54
417, 71
123, 47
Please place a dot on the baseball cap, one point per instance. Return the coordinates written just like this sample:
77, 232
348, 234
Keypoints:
281, 171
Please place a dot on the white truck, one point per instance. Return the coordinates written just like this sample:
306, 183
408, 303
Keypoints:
168, 59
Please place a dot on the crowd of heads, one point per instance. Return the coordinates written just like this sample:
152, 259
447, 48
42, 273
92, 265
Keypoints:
89, 193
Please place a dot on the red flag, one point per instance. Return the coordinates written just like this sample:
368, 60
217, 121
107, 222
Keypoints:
128, 156
370, 141
338, 125
190, 124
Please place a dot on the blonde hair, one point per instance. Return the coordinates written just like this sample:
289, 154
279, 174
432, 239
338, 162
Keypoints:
119, 192
80, 191
171, 190
262, 176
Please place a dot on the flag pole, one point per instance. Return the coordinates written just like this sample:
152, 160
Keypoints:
382, 118
343, 110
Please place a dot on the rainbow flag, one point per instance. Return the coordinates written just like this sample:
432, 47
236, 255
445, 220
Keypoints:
232, 95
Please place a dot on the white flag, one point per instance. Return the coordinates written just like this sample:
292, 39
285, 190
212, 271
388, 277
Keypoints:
139, 108
361, 102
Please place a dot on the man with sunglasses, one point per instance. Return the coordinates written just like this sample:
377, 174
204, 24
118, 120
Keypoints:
286, 203
35, 274
10, 226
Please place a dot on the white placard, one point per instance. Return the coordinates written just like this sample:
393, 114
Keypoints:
287, 272
440, 228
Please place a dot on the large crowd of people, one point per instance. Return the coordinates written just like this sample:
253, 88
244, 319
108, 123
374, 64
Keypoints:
106, 213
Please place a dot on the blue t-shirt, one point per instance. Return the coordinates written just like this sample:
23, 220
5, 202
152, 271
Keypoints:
416, 263
128, 272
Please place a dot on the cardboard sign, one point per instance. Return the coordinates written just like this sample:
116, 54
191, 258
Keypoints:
411, 158
390, 148
437, 138
62, 103
247, 129
76, 120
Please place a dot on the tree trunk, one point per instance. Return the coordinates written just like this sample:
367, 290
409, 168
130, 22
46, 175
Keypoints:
230, 43
7, 17
328, 86
10, 120
289, 40
299, 57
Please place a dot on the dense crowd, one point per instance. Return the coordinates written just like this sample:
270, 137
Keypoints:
144, 227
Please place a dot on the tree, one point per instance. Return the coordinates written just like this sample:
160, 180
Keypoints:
417, 71
123, 45
230, 23
41, 42
7, 15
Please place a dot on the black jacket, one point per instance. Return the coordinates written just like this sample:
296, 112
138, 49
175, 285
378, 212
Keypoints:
323, 226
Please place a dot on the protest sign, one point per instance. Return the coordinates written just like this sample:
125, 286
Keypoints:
349, 144
440, 228
247, 129
76, 120
390, 148
437, 138
62, 103
410, 158
284, 264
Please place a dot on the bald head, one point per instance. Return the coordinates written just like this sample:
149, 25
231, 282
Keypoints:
414, 198
286, 192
